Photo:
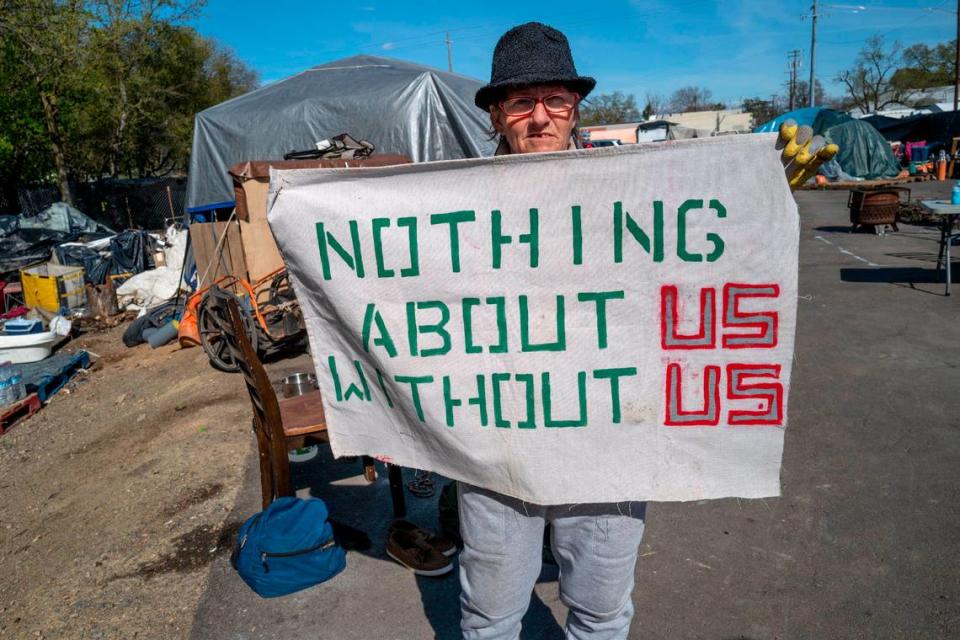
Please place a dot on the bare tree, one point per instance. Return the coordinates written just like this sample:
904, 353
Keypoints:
869, 81
693, 98
609, 108
655, 104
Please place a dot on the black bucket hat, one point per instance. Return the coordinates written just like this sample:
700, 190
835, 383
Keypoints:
532, 53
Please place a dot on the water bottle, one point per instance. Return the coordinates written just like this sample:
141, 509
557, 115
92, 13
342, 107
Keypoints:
18, 390
955, 196
12, 387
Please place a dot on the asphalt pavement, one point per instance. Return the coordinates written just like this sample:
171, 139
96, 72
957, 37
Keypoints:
863, 543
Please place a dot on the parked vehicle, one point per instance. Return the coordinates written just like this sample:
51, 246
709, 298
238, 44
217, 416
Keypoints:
594, 144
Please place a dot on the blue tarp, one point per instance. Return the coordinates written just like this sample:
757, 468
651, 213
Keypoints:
802, 116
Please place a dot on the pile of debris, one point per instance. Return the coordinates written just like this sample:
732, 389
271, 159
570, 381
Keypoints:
62, 272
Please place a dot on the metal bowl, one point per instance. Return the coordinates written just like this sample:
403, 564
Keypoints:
298, 384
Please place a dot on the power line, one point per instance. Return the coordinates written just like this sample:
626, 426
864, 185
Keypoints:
794, 64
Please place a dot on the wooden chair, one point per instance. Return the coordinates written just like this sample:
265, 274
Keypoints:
281, 425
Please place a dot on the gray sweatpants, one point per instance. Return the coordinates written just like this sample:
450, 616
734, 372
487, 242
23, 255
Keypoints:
594, 544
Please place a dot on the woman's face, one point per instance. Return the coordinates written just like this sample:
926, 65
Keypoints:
543, 129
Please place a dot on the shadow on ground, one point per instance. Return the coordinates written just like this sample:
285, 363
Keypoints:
372, 586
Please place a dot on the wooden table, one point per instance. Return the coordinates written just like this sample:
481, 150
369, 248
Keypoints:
304, 413
948, 213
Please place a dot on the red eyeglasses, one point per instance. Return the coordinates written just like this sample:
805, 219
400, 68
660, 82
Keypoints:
556, 103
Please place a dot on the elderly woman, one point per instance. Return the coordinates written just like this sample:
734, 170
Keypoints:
533, 99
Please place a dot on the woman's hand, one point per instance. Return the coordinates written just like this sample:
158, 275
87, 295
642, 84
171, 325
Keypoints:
801, 152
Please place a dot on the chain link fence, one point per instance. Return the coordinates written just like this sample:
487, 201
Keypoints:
149, 203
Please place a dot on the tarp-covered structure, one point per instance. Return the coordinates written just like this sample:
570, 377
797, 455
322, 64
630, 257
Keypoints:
936, 128
25, 240
864, 153
401, 107
802, 116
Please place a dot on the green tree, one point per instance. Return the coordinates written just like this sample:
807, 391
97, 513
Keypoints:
95, 88
48, 37
925, 67
761, 110
24, 150
869, 82
654, 105
609, 108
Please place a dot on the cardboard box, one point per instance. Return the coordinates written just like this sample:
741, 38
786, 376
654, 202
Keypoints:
251, 181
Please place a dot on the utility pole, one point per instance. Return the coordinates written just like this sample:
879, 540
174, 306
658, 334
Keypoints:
450, 52
813, 51
956, 62
794, 65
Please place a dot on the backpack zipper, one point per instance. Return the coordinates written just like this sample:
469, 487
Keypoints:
322, 546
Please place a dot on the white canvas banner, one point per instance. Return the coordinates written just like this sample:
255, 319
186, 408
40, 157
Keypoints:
586, 326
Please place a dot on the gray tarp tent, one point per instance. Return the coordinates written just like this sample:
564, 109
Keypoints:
400, 107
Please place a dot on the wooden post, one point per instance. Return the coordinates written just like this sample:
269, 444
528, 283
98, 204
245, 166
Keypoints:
173, 216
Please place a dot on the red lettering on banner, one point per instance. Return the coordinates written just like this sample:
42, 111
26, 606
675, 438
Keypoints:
764, 323
709, 415
670, 336
741, 329
770, 394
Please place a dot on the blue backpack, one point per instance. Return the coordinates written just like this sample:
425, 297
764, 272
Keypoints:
287, 547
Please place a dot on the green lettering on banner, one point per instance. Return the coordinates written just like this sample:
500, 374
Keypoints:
415, 382
501, 304
480, 400
577, 235
361, 392
370, 316
413, 329
614, 375
599, 298
449, 402
466, 305
525, 345
623, 220
325, 239
548, 420
531, 421
682, 252
495, 381
531, 239
714, 238
383, 388
453, 219
379, 224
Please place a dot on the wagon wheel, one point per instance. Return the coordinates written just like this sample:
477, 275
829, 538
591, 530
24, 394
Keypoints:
280, 286
210, 319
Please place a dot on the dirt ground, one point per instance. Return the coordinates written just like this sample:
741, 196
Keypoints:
116, 496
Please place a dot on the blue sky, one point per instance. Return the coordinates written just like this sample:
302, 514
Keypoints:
735, 48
